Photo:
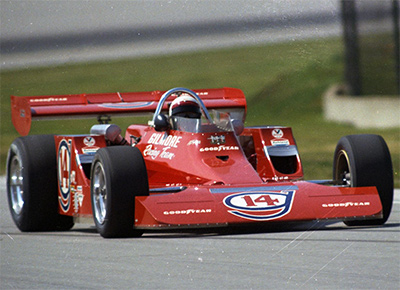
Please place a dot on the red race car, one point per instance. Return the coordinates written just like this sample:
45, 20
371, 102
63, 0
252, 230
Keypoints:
194, 165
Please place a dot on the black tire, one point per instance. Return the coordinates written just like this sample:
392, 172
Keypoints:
364, 160
118, 175
32, 185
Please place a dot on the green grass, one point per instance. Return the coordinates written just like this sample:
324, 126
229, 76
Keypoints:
377, 64
283, 83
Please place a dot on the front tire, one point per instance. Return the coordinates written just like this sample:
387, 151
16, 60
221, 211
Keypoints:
364, 160
32, 185
118, 175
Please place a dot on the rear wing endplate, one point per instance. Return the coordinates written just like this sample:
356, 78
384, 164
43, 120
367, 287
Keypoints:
26, 109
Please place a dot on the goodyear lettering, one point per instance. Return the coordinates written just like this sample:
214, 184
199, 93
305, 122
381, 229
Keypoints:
219, 148
187, 211
49, 100
346, 204
165, 140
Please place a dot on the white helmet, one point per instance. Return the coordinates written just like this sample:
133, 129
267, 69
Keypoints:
185, 106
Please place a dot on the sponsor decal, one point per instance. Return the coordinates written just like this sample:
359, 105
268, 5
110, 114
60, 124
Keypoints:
89, 141
219, 148
276, 178
173, 184
194, 142
277, 133
346, 204
154, 153
48, 100
198, 93
133, 105
78, 198
187, 211
164, 140
260, 205
64, 173
217, 139
276, 142
88, 150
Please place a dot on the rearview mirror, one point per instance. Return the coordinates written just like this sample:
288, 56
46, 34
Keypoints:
161, 123
238, 126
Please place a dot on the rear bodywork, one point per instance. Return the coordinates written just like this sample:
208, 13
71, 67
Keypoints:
197, 178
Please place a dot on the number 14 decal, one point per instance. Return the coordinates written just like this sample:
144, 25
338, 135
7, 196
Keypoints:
260, 205
252, 201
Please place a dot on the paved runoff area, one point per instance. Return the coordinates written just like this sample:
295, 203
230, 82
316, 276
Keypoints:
307, 255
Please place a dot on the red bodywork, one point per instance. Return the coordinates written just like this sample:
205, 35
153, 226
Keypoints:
196, 179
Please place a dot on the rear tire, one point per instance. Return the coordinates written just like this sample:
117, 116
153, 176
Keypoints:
32, 185
118, 175
364, 160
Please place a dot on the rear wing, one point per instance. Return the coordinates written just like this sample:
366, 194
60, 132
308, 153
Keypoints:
26, 109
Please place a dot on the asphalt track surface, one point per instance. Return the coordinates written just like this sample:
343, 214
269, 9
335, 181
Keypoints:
325, 255
42, 33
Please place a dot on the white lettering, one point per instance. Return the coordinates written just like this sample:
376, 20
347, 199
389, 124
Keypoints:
346, 204
167, 155
169, 141
219, 148
48, 100
150, 152
154, 153
187, 211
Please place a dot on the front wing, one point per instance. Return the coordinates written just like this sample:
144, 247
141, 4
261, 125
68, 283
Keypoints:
216, 206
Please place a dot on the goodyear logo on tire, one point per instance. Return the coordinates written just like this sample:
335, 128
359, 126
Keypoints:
260, 205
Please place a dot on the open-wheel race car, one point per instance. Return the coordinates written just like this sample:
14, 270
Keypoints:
194, 165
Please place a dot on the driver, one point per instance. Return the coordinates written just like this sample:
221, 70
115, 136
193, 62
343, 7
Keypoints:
185, 106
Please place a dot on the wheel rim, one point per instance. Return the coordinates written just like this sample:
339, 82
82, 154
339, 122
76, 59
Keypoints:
343, 171
99, 193
16, 185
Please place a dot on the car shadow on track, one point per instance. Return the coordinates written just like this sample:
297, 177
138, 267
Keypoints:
236, 230
262, 229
